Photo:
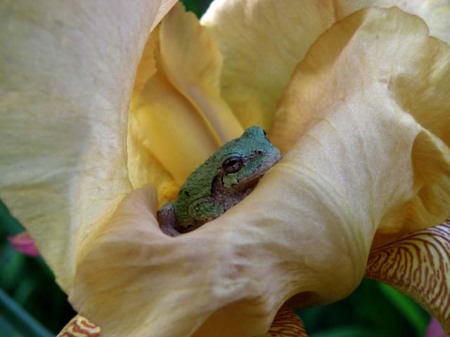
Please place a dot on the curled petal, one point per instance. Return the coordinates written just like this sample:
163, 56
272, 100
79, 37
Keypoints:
418, 265
180, 107
434, 13
359, 69
67, 71
259, 63
278, 34
195, 69
131, 269
349, 170
162, 122
147, 66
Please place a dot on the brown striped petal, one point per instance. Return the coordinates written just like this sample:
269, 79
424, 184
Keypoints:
418, 265
286, 324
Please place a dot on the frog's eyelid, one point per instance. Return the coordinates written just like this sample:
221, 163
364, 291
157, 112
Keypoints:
232, 164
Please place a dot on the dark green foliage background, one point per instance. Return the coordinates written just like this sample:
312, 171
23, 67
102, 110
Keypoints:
30, 283
373, 310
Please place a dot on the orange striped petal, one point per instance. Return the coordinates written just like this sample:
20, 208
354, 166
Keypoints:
418, 265
79, 326
286, 324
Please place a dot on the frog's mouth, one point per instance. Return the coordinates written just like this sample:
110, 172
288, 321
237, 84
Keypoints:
247, 186
251, 183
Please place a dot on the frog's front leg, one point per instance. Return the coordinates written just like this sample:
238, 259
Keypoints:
167, 220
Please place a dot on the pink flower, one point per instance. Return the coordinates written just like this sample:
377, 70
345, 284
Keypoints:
24, 244
435, 329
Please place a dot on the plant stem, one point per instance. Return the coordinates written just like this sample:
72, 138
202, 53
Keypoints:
20, 319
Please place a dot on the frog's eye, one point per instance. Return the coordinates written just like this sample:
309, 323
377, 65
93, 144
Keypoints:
232, 164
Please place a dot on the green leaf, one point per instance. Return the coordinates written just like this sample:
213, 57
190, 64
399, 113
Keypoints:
409, 309
6, 328
197, 6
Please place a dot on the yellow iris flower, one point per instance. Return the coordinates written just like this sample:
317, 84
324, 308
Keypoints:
104, 113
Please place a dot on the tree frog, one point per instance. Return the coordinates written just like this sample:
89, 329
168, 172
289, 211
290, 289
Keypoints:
221, 182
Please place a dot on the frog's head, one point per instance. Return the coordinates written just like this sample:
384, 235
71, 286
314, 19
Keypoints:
245, 159
224, 179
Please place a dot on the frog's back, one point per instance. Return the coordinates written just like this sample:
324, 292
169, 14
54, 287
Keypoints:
197, 186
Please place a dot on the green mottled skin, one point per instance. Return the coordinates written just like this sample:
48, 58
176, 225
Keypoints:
221, 182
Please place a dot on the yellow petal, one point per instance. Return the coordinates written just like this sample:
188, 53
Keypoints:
307, 228
234, 272
144, 168
66, 74
129, 268
116, 275
285, 324
147, 66
261, 42
194, 64
264, 41
170, 129
434, 13
384, 65
418, 265
180, 108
